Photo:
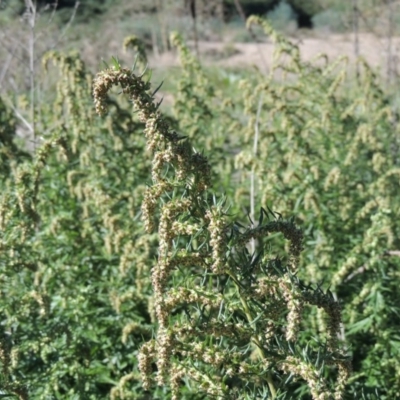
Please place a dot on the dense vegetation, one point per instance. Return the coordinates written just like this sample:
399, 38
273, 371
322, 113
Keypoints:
244, 247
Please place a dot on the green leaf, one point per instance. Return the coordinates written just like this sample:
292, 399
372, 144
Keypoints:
116, 63
363, 325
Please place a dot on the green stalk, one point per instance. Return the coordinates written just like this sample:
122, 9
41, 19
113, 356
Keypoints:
255, 340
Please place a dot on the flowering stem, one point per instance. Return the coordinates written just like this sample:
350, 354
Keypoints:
255, 340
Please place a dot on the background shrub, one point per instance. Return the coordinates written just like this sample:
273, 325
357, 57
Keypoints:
283, 18
331, 21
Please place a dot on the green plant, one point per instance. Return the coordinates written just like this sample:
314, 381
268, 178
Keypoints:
332, 21
127, 256
71, 253
283, 18
215, 303
332, 159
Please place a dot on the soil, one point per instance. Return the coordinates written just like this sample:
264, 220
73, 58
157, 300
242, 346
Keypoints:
238, 55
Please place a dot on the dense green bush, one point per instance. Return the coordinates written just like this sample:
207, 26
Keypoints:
327, 149
134, 264
65, 310
333, 159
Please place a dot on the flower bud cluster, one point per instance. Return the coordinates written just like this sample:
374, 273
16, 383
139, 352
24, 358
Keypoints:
216, 228
310, 374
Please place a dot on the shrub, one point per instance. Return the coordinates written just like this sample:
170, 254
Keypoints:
332, 21
332, 158
134, 266
283, 18
225, 317
65, 245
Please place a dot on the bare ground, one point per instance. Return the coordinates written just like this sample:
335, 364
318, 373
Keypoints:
372, 48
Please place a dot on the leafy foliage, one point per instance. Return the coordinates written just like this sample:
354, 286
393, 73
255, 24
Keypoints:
334, 161
128, 268
66, 243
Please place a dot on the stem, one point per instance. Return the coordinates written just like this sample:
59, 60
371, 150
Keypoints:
255, 340
356, 38
193, 13
389, 42
31, 12
252, 176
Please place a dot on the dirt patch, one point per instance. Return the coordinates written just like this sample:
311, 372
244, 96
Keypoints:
260, 55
